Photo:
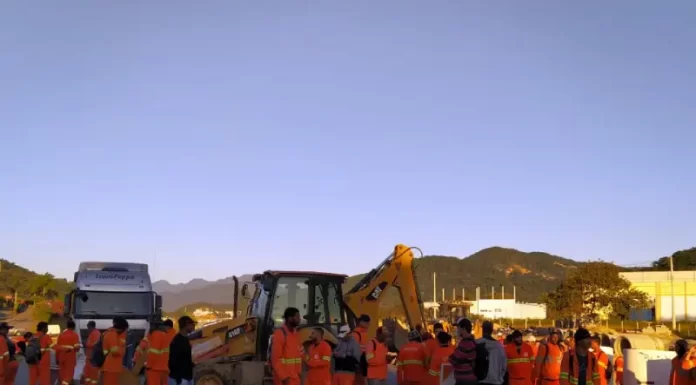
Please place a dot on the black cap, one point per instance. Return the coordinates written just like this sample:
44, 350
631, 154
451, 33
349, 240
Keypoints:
185, 321
364, 318
516, 334
5, 325
582, 334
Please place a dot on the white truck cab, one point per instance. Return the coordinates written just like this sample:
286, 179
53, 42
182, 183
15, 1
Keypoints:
104, 290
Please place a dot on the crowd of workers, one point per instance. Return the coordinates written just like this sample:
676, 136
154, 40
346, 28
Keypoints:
166, 353
361, 359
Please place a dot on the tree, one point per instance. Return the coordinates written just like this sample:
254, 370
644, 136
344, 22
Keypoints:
44, 286
594, 291
683, 260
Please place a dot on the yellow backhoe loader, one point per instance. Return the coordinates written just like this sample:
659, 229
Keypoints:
235, 351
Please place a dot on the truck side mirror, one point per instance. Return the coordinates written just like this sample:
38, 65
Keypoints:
246, 291
158, 301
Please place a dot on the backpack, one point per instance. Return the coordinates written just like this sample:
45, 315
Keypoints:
363, 358
32, 354
481, 362
270, 348
98, 356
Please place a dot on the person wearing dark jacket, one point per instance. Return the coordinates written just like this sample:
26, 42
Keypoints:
180, 359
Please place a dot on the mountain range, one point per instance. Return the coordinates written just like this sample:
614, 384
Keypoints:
532, 273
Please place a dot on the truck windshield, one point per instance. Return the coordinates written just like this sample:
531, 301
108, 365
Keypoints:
104, 304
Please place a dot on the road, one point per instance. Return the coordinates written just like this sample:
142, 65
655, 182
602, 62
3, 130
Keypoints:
23, 375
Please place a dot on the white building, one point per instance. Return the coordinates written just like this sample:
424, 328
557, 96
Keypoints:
508, 308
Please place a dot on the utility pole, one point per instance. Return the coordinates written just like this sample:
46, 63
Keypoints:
671, 282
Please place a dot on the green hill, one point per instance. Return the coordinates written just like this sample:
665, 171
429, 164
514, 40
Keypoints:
28, 285
532, 274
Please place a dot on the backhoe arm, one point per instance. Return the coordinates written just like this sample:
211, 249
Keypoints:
396, 271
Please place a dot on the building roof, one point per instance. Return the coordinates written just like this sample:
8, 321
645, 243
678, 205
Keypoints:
658, 276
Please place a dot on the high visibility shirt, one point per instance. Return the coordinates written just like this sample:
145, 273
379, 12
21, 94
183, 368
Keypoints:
520, 363
570, 369
360, 335
318, 361
114, 348
171, 333
67, 346
141, 350
619, 368
429, 346
158, 351
411, 363
439, 357
548, 362
602, 365
286, 354
377, 364
92, 340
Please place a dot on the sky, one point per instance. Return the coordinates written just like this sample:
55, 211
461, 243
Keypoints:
228, 137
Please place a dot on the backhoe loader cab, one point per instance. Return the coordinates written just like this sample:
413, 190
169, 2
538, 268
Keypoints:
240, 355
318, 297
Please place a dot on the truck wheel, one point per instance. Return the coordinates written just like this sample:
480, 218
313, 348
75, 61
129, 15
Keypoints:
209, 377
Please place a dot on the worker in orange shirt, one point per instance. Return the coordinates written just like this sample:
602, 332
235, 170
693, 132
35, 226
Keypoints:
432, 343
286, 350
9, 365
157, 360
318, 359
67, 346
547, 369
40, 367
114, 346
580, 361
602, 360
520, 361
411, 361
440, 356
360, 335
377, 361
90, 374
619, 368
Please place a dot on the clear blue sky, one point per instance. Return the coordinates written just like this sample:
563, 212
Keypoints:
227, 137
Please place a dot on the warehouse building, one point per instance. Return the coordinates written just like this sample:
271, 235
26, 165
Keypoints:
508, 309
658, 286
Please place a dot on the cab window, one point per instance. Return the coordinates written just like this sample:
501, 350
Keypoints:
290, 292
327, 304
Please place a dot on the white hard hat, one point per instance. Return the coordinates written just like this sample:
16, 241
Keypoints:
343, 331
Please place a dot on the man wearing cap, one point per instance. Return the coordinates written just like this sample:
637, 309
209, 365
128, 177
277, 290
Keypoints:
548, 362
360, 335
579, 366
346, 357
8, 364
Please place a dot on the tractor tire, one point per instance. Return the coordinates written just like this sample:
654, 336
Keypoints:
209, 377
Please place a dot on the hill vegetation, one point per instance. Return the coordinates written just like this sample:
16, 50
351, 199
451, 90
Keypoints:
19, 285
